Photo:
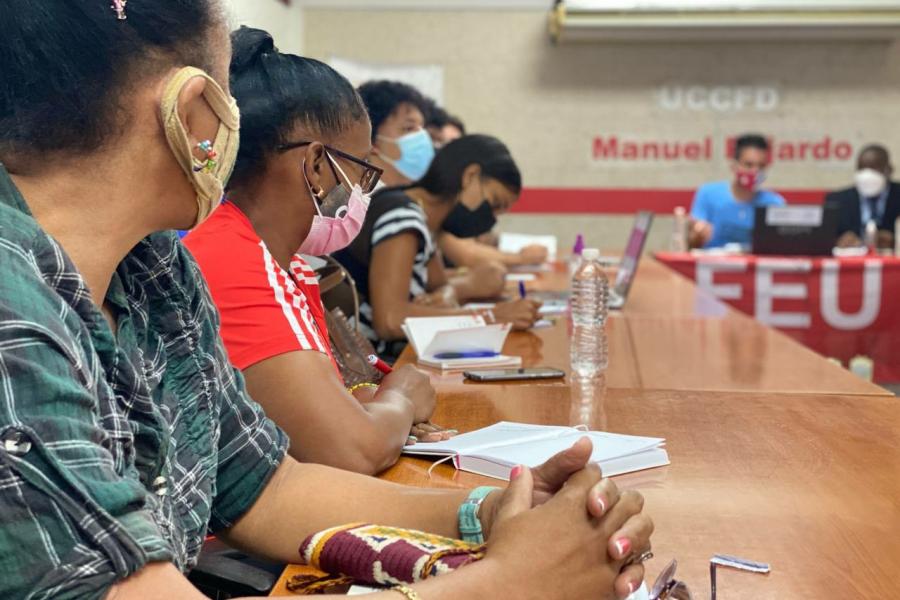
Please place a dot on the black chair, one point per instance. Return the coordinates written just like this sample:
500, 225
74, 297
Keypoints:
223, 572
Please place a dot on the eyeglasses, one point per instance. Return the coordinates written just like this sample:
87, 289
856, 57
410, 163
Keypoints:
371, 174
667, 587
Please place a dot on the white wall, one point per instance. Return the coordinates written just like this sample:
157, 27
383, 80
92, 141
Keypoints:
549, 103
285, 23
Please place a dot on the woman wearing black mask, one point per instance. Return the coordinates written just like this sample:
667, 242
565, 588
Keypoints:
395, 261
467, 237
126, 434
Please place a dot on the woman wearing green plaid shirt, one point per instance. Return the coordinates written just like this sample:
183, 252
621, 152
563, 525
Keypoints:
125, 435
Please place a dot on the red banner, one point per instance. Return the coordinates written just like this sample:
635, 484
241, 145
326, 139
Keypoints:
839, 307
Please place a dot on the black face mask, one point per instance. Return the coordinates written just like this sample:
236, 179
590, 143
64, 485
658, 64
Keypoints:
465, 223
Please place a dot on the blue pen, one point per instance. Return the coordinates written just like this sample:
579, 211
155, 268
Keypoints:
522, 290
473, 354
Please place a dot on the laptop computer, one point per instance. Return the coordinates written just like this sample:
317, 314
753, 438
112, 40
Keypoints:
630, 260
797, 230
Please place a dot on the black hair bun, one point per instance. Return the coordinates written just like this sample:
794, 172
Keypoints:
248, 45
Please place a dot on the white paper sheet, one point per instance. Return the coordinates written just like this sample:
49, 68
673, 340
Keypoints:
514, 242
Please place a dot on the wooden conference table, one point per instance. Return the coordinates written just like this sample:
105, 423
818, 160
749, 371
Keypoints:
777, 454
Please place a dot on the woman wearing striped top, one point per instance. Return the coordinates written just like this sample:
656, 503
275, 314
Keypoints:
394, 260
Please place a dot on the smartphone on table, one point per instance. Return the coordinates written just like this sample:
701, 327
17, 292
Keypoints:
514, 374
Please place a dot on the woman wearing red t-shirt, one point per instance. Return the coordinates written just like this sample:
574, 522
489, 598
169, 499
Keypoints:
300, 185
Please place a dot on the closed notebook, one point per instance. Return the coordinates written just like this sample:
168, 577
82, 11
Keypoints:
361, 590
501, 361
493, 451
551, 308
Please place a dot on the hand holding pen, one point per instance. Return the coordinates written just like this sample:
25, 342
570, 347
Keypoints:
422, 430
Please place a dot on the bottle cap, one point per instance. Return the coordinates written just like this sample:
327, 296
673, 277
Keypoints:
578, 248
590, 254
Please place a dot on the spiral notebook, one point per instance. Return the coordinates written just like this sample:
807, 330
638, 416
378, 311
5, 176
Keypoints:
493, 451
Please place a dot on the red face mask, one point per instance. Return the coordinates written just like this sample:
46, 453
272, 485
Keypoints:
750, 180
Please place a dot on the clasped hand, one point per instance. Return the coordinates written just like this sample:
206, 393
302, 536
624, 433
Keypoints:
562, 531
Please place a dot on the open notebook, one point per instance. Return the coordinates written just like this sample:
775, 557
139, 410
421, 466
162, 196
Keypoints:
459, 342
493, 451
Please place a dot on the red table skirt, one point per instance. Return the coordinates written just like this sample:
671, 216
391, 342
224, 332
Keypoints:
839, 307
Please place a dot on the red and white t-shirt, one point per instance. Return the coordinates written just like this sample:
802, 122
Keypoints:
265, 310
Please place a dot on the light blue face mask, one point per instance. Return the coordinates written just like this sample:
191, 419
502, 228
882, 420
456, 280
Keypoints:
416, 154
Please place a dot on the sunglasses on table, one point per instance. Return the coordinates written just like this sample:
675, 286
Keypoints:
667, 587
371, 174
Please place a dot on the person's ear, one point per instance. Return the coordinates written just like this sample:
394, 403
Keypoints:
471, 193
200, 121
378, 142
316, 169
471, 176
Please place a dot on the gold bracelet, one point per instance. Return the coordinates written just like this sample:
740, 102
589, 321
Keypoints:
407, 591
359, 386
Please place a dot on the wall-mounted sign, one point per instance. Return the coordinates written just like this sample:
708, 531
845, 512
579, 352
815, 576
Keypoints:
621, 148
719, 98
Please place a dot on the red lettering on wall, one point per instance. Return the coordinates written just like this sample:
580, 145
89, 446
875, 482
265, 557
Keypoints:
605, 148
611, 148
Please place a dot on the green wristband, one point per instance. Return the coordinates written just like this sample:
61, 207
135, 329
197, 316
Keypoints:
469, 523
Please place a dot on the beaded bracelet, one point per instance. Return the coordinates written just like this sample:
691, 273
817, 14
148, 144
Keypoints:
468, 515
410, 593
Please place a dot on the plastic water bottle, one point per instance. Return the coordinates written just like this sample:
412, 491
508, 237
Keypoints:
679, 241
590, 301
872, 237
897, 237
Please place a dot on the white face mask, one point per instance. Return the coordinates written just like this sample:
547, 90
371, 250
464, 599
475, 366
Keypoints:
870, 183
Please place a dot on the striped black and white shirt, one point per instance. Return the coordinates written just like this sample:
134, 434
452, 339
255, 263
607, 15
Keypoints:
391, 213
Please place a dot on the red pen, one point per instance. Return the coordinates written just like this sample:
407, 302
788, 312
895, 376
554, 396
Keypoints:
380, 364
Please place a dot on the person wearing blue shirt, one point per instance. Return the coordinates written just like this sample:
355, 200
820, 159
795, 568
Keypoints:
723, 211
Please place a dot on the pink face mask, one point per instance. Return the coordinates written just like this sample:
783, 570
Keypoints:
750, 180
332, 233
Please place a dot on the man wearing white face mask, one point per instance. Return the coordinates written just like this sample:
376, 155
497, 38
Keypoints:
874, 197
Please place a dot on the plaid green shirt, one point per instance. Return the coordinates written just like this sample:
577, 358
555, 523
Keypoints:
114, 451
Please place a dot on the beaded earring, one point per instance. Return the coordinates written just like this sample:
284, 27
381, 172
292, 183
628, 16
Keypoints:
119, 7
210, 163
